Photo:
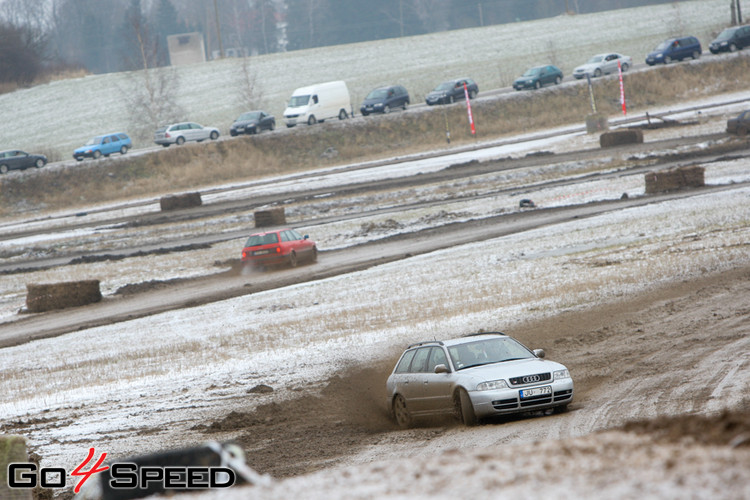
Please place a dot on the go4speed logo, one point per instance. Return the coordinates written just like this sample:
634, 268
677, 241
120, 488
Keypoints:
210, 466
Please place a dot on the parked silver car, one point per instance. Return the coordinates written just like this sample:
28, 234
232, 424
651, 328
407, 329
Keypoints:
475, 377
603, 64
179, 133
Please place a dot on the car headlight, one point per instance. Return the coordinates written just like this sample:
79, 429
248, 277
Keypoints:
492, 385
560, 374
379, 105
659, 54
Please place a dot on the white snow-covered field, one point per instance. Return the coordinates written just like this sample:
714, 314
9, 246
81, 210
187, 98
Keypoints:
58, 117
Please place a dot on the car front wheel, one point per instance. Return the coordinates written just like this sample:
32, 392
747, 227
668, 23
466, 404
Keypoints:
624, 67
464, 408
39, 163
343, 115
696, 55
314, 254
558, 80
401, 412
537, 85
123, 150
97, 154
597, 73
312, 120
733, 48
214, 135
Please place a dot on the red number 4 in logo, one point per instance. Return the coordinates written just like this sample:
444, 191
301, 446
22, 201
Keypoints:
93, 470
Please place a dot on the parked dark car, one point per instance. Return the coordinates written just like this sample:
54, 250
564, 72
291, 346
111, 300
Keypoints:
15, 159
451, 91
384, 99
740, 124
104, 145
538, 77
675, 49
252, 122
282, 246
731, 40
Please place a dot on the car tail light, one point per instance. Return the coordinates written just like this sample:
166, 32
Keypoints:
166, 134
244, 254
278, 249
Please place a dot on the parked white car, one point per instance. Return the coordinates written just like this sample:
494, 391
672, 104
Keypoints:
603, 64
179, 133
474, 377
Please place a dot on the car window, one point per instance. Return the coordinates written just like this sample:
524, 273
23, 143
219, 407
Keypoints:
405, 363
419, 363
123, 137
296, 235
286, 236
106, 140
262, 239
437, 357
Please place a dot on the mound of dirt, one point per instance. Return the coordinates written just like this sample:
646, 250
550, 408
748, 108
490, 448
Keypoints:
729, 428
316, 430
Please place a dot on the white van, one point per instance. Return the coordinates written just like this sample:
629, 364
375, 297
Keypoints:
318, 103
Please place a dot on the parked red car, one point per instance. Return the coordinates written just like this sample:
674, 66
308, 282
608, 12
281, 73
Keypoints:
282, 246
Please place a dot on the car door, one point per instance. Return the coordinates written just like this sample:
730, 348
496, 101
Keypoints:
744, 37
413, 384
436, 387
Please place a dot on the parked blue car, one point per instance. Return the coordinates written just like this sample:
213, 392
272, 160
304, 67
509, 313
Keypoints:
104, 145
675, 49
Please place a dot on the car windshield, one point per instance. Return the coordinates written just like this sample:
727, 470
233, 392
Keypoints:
252, 115
262, 239
377, 94
299, 100
94, 140
487, 351
532, 72
596, 59
726, 34
445, 86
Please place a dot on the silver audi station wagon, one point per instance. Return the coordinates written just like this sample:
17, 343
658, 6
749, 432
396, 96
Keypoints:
474, 377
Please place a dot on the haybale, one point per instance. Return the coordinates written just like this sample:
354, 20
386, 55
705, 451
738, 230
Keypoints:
674, 179
178, 201
271, 217
596, 123
12, 450
620, 137
51, 296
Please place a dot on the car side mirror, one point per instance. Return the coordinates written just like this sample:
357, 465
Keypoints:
539, 353
441, 368
306, 236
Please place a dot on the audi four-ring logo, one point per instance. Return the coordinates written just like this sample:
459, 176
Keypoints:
531, 378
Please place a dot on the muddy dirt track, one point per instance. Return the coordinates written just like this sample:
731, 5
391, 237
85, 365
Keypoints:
663, 353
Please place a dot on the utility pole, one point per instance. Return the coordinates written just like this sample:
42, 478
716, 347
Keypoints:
481, 15
218, 29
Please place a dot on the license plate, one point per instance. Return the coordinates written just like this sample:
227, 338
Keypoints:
536, 391
261, 252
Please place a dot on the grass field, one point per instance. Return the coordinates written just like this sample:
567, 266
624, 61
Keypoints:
57, 117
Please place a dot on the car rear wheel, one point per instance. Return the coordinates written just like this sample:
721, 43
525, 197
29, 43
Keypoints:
293, 259
472, 94
97, 154
405, 105
314, 254
180, 141
624, 67
123, 150
696, 55
3, 169
312, 120
464, 408
272, 126
401, 412
214, 135
343, 115
39, 163
387, 109
537, 85
558, 80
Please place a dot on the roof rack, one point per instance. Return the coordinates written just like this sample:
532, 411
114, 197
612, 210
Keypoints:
484, 333
438, 342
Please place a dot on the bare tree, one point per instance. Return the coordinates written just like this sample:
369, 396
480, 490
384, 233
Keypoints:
152, 93
250, 93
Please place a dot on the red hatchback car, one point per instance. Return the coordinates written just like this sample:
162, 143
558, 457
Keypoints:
277, 247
